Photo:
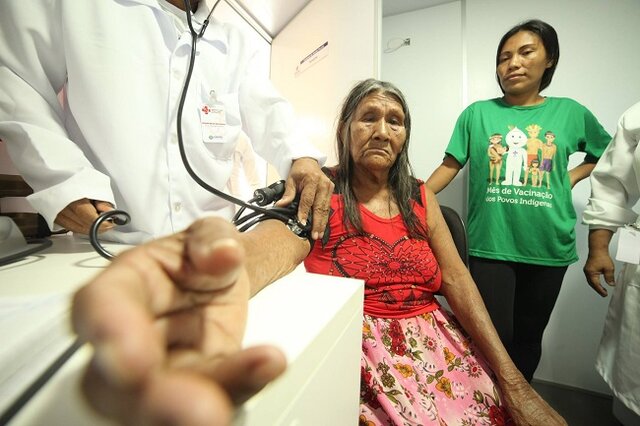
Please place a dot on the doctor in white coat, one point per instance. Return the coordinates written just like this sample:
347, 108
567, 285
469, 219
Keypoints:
89, 92
615, 188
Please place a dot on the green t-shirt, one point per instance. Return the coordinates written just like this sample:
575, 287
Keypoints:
520, 206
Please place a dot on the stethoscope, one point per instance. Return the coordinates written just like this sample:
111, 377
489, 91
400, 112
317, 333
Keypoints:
261, 197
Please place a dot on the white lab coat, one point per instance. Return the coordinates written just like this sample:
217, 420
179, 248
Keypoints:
615, 184
120, 66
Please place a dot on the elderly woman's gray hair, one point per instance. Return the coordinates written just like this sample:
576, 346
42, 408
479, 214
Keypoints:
401, 181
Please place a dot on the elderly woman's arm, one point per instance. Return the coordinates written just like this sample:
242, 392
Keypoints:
272, 251
524, 404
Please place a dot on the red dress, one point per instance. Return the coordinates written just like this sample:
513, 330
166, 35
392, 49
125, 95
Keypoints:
418, 366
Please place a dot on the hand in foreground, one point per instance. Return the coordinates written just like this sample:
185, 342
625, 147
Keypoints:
315, 193
166, 320
527, 408
599, 263
80, 214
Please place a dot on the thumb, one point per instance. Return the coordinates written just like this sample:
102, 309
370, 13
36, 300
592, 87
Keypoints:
102, 206
213, 249
609, 276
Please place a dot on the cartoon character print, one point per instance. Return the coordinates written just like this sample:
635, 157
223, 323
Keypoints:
533, 148
516, 155
495, 152
533, 143
535, 173
549, 149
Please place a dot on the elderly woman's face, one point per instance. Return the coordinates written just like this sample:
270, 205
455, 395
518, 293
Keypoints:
377, 132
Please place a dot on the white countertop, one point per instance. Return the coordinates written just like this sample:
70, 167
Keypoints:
316, 320
34, 310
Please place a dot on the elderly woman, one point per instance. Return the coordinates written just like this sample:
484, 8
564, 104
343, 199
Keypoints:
419, 364
166, 319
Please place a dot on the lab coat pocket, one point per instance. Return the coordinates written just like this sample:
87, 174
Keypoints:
221, 124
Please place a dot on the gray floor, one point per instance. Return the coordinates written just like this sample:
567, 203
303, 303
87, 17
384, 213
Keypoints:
579, 408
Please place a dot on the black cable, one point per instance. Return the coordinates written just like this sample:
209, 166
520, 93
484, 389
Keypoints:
239, 221
303, 231
240, 211
116, 216
290, 211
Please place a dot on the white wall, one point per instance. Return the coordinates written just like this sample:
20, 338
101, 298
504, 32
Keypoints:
350, 28
429, 71
598, 67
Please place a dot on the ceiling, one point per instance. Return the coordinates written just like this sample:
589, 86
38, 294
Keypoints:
274, 15
396, 7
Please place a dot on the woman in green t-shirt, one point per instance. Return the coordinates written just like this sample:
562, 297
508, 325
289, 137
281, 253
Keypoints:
521, 228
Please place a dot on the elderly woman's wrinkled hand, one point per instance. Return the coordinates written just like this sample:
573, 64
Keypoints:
527, 408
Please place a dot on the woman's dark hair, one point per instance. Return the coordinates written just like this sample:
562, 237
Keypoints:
402, 184
549, 39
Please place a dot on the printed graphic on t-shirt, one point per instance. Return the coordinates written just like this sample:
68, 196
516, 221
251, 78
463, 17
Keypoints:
527, 162
532, 168
548, 153
496, 151
516, 155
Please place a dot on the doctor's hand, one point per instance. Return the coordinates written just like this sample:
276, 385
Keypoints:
599, 262
315, 193
166, 321
80, 214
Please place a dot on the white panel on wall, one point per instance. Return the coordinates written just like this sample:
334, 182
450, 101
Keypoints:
429, 72
318, 57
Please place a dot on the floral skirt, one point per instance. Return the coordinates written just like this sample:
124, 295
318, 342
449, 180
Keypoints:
424, 370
